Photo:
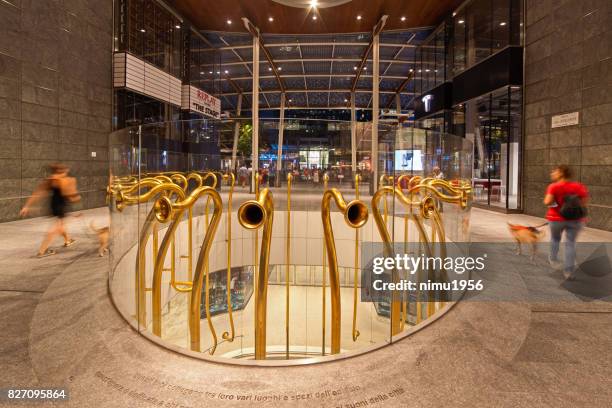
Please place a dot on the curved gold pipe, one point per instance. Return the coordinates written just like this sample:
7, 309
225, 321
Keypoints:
355, 215
145, 231
201, 271
288, 262
396, 313
164, 178
356, 332
165, 210
323, 282
253, 214
229, 336
181, 180
123, 197
199, 182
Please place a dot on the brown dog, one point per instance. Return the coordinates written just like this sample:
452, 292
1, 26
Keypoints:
103, 234
524, 234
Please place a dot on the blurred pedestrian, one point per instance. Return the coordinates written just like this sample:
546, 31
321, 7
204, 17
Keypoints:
566, 201
63, 191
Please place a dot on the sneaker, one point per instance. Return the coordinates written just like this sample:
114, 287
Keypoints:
48, 252
69, 242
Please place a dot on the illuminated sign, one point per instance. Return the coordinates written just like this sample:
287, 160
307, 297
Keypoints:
427, 102
567, 119
196, 100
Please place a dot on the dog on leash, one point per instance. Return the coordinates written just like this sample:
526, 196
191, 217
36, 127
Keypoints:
103, 234
524, 234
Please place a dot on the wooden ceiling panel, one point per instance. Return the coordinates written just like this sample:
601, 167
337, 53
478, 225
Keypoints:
214, 14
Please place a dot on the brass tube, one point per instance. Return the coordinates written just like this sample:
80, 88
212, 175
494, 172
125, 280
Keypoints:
288, 262
164, 211
229, 336
199, 182
146, 230
355, 216
396, 315
323, 281
201, 266
253, 214
356, 269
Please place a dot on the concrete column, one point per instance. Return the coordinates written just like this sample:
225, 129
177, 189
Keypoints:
375, 109
233, 166
281, 131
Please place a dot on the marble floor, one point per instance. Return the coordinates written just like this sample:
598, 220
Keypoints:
58, 328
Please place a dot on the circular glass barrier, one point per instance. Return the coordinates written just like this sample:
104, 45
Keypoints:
215, 259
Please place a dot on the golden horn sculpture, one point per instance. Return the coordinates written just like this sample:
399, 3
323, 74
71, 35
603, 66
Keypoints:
288, 262
164, 210
145, 232
323, 282
396, 305
229, 336
253, 214
355, 215
356, 269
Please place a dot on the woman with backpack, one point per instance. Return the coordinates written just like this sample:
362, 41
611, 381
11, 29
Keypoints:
566, 201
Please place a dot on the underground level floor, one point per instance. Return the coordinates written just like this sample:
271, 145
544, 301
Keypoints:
59, 328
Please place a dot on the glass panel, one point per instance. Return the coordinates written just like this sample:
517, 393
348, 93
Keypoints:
459, 41
500, 28
157, 253
478, 31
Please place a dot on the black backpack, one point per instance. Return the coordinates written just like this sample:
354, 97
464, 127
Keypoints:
572, 208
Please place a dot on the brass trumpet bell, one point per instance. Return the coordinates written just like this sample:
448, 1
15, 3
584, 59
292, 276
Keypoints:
251, 214
356, 214
163, 209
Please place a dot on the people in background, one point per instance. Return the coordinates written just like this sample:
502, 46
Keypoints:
243, 175
566, 201
437, 173
63, 191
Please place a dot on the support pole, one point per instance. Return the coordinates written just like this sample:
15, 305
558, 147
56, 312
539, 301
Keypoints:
375, 108
353, 136
281, 131
255, 111
233, 166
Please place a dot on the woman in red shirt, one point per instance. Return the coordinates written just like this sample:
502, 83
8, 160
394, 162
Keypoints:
560, 190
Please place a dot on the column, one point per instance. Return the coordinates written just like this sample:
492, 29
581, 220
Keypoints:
255, 110
233, 166
375, 109
281, 131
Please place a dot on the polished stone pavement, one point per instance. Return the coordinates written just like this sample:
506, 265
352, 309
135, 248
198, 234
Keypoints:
59, 328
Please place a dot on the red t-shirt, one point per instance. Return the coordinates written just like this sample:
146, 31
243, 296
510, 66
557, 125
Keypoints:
559, 190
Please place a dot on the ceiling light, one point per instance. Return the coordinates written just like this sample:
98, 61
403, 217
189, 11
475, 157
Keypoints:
229, 22
461, 21
419, 70
269, 68
313, 3
142, 30
290, 100
218, 72
280, 68
426, 70
365, 68
503, 23
177, 26
403, 18
454, 14
345, 100
270, 19
411, 70
226, 71
201, 72
210, 72
354, 68
358, 17
314, 17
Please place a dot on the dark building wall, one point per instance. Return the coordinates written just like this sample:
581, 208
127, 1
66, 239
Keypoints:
568, 69
55, 95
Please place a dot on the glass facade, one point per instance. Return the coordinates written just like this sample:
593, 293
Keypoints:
478, 30
149, 31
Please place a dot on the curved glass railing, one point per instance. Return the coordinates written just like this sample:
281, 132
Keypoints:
207, 261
